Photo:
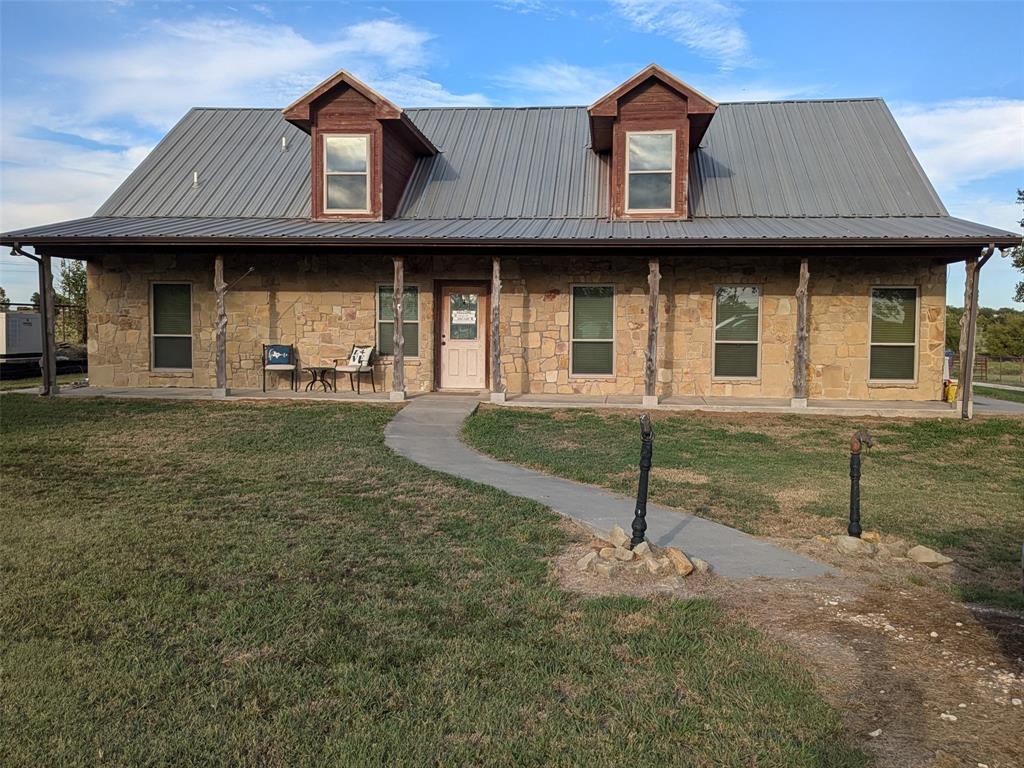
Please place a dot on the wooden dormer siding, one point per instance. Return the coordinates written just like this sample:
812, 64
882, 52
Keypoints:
651, 101
344, 105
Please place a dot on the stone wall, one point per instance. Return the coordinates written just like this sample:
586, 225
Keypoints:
326, 304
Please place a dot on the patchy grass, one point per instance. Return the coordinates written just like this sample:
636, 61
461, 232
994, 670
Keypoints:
1014, 396
64, 378
263, 585
953, 485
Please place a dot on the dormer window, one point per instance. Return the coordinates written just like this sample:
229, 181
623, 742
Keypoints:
346, 173
650, 172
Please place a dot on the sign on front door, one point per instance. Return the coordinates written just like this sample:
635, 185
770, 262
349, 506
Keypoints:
463, 338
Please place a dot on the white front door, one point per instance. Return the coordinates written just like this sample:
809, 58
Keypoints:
463, 338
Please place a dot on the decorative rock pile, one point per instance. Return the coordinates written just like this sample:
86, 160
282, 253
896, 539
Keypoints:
610, 555
870, 544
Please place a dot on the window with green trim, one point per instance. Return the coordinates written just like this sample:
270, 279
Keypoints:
737, 331
410, 320
893, 334
172, 325
593, 347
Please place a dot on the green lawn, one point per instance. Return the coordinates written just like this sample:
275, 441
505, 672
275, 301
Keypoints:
1015, 396
229, 584
957, 486
64, 378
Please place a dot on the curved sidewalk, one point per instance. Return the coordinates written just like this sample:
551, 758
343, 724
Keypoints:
427, 432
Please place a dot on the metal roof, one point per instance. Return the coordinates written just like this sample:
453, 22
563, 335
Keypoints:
706, 231
765, 171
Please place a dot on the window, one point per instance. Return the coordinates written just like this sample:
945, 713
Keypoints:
650, 171
893, 334
346, 174
172, 325
593, 308
737, 331
410, 320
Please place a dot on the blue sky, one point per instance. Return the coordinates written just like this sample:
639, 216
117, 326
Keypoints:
89, 88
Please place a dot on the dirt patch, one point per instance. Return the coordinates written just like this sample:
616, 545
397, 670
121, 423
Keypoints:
884, 643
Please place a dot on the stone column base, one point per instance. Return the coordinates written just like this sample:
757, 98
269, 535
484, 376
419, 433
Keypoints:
219, 393
650, 401
396, 396
798, 402
498, 398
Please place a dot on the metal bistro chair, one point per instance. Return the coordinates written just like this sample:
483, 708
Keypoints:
280, 357
360, 361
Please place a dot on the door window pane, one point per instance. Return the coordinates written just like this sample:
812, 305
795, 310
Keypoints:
462, 316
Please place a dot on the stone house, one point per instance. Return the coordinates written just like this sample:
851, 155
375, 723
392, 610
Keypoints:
654, 244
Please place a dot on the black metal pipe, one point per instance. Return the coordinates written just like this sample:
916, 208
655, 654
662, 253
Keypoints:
860, 438
646, 452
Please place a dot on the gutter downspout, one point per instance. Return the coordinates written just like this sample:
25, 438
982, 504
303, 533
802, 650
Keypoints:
49, 386
970, 331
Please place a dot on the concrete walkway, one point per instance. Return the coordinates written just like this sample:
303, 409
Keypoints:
427, 432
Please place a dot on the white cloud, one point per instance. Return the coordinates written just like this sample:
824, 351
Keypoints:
962, 141
710, 28
127, 96
556, 82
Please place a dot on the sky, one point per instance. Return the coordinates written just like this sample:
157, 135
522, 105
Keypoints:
87, 89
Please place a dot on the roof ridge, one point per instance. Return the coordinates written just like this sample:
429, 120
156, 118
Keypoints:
512, 107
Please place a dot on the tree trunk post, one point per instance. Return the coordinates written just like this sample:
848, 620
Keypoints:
220, 287
653, 321
968, 323
398, 359
47, 307
801, 355
497, 387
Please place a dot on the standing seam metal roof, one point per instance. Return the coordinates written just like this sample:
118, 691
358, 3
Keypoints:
759, 159
836, 170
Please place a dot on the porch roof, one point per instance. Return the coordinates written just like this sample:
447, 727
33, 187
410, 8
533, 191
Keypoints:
888, 230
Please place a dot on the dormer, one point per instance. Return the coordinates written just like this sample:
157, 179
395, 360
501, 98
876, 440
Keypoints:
364, 149
650, 124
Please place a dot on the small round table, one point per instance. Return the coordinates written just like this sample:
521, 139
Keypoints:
318, 375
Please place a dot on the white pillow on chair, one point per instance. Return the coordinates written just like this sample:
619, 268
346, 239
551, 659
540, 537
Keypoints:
360, 356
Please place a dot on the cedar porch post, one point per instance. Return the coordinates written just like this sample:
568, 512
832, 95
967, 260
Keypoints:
47, 308
653, 320
801, 354
398, 359
968, 331
497, 387
220, 287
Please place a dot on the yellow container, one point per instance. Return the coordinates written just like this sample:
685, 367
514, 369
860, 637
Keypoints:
949, 395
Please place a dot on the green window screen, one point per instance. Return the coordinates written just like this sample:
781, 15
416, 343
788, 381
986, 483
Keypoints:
736, 331
172, 325
592, 357
893, 315
172, 351
893, 333
172, 309
386, 320
592, 312
593, 309
896, 363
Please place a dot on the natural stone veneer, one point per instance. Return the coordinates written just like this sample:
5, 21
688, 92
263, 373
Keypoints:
325, 304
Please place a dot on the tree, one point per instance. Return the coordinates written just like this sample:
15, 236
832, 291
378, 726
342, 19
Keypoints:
4, 301
34, 300
1017, 254
72, 281
953, 315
